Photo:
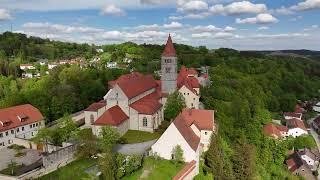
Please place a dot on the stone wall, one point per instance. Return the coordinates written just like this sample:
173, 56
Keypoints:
60, 156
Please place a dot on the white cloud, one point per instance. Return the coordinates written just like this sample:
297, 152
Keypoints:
58, 28
195, 5
259, 19
285, 35
312, 28
112, 10
201, 15
306, 5
173, 25
243, 7
295, 18
229, 28
201, 35
263, 28
282, 11
155, 2
212, 28
149, 27
5, 15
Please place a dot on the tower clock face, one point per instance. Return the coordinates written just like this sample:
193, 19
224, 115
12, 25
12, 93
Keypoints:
168, 69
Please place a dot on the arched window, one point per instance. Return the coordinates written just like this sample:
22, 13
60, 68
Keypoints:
91, 118
145, 122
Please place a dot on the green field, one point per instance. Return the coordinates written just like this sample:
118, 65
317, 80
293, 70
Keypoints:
155, 170
133, 136
74, 170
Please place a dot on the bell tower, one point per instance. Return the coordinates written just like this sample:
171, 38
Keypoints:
169, 68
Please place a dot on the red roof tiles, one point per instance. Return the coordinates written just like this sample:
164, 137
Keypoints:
10, 117
96, 106
134, 84
185, 170
113, 116
184, 79
147, 105
296, 123
203, 119
169, 50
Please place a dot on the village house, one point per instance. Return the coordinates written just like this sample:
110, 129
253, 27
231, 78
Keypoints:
294, 127
52, 65
303, 162
191, 130
27, 67
112, 64
316, 124
292, 115
316, 107
19, 122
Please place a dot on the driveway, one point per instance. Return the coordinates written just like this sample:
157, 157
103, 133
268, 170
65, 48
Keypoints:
130, 149
7, 155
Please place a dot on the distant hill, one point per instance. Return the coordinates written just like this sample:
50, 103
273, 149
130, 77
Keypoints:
303, 53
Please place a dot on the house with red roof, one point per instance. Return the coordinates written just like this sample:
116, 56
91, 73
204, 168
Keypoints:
189, 86
21, 121
275, 131
294, 127
192, 130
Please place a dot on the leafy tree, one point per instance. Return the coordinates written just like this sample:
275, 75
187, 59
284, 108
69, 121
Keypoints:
174, 105
108, 138
107, 165
88, 143
177, 153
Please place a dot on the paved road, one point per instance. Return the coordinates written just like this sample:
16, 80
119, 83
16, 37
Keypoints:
315, 137
130, 149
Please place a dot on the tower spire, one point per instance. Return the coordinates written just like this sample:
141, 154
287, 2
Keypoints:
169, 50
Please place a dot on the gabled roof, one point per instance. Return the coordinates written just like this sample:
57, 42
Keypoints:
169, 50
294, 162
11, 117
113, 117
298, 109
147, 105
185, 171
202, 119
96, 106
271, 130
189, 82
185, 130
134, 84
296, 123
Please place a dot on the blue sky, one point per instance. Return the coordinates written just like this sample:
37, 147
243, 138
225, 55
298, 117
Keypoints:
243, 25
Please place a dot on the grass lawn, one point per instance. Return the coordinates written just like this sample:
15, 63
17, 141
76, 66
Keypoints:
74, 170
133, 136
155, 170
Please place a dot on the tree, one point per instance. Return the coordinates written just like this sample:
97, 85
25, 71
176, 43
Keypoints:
174, 105
177, 153
107, 165
108, 138
88, 143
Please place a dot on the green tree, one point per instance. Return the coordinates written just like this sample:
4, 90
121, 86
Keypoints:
174, 105
108, 138
177, 153
88, 143
107, 165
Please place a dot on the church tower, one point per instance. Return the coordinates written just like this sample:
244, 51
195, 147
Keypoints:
169, 68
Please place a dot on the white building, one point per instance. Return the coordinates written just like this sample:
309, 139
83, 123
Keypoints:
296, 127
51, 66
292, 115
19, 122
316, 107
27, 67
112, 64
191, 130
310, 158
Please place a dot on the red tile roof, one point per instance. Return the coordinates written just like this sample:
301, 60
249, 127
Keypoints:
10, 116
134, 84
191, 138
169, 50
203, 119
113, 117
96, 106
296, 123
147, 105
184, 79
187, 169
294, 162
271, 130
299, 109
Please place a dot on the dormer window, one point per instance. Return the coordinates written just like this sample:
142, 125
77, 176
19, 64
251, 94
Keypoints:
22, 117
5, 123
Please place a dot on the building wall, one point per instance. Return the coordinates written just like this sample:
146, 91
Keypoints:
191, 99
117, 97
308, 160
169, 74
205, 138
25, 132
149, 127
87, 115
295, 132
121, 128
170, 139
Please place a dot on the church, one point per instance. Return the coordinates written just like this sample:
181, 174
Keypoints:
136, 101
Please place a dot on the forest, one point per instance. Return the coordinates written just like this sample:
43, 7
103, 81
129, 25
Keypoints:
248, 89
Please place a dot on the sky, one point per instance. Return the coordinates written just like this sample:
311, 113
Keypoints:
242, 25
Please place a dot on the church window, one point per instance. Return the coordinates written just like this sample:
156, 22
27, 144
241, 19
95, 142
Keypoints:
168, 69
145, 122
91, 118
167, 61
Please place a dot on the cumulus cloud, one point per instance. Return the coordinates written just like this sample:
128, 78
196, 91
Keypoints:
259, 19
235, 8
112, 10
5, 15
59, 28
212, 28
312, 28
149, 27
155, 2
306, 5
173, 25
194, 5
284, 35
263, 28
201, 15
282, 11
